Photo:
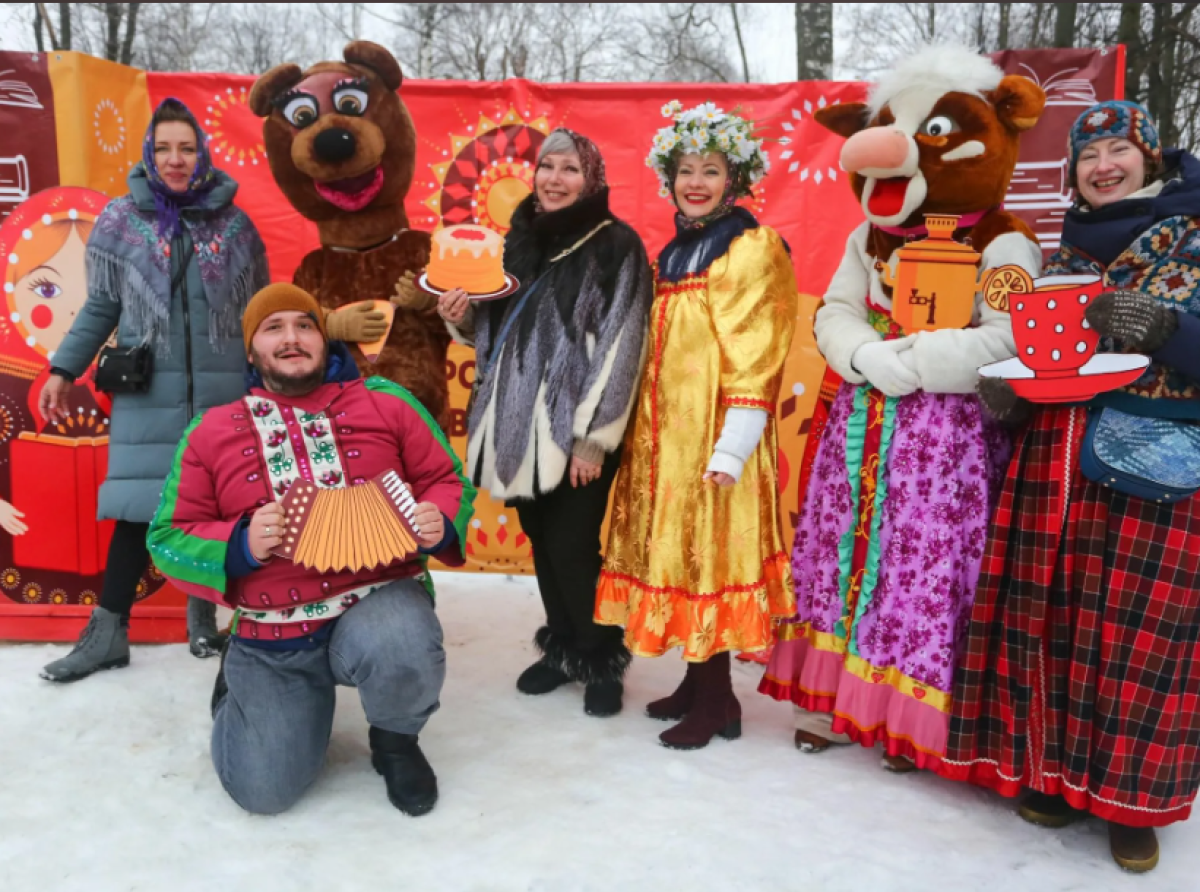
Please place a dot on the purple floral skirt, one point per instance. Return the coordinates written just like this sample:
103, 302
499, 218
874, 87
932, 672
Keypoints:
885, 562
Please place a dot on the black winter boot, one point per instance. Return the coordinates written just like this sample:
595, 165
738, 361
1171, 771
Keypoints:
602, 672
547, 674
675, 705
220, 688
203, 638
715, 710
411, 783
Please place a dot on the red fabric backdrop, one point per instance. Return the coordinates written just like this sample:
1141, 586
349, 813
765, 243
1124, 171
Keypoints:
477, 143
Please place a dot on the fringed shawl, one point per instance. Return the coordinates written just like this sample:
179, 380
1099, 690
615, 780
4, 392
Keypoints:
128, 262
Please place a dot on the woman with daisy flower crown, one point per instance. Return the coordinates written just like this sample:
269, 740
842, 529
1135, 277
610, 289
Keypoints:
695, 554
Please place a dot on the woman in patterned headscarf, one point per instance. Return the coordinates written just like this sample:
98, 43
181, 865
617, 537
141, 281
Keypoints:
557, 365
170, 267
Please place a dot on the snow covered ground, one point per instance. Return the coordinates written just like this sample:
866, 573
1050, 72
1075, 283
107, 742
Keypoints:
107, 785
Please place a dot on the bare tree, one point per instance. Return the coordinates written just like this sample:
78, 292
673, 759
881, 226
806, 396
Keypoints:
679, 42
814, 41
878, 33
64, 26
174, 37
1064, 24
741, 44
1003, 15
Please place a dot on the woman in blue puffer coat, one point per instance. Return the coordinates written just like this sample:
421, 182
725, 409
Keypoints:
170, 266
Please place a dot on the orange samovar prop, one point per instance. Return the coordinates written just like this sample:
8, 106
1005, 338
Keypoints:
935, 282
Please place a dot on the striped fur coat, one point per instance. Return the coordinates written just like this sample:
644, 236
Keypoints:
564, 379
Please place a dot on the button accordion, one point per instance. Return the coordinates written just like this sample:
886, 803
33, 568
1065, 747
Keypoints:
353, 528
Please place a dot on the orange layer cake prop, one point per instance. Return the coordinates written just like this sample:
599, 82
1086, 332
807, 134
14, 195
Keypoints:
355, 528
468, 257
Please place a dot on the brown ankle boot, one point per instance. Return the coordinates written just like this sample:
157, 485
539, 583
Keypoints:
1134, 848
675, 706
1046, 810
898, 764
808, 742
715, 711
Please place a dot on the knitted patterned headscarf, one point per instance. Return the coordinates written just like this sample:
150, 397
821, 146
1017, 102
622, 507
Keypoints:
1116, 119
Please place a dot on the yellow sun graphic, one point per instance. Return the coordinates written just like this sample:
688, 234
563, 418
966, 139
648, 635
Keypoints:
109, 127
229, 122
487, 171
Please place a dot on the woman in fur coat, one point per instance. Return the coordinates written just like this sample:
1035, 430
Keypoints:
558, 365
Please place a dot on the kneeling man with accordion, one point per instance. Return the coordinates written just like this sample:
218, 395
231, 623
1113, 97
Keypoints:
309, 506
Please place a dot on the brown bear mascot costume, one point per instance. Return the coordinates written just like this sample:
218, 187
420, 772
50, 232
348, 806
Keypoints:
342, 147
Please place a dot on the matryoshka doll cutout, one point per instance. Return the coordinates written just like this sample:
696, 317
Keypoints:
54, 471
43, 245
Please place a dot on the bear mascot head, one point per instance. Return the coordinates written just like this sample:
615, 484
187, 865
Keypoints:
340, 143
342, 148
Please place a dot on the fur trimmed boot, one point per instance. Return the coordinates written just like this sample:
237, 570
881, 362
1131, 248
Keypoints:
715, 710
104, 644
411, 783
547, 673
203, 638
675, 706
602, 672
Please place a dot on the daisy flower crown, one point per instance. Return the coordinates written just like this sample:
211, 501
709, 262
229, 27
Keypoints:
702, 130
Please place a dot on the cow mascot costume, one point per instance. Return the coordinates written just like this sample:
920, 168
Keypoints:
893, 524
342, 148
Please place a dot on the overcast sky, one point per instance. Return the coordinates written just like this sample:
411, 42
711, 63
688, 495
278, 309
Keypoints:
770, 32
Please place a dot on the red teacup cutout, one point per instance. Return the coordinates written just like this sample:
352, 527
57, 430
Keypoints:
1053, 337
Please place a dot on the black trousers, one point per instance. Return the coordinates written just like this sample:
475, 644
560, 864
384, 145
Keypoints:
128, 559
563, 527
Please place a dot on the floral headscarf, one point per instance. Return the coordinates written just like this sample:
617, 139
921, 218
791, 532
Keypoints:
590, 160
168, 202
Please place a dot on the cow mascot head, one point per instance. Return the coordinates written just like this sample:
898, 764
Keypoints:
939, 134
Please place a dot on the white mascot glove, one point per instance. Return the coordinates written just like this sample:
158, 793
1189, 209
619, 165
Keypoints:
879, 362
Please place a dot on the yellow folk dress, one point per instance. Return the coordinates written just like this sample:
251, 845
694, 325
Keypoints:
690, 564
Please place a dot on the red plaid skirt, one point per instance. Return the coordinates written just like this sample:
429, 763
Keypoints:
1082, 670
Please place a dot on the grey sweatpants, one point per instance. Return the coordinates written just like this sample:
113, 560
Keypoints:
271, 730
